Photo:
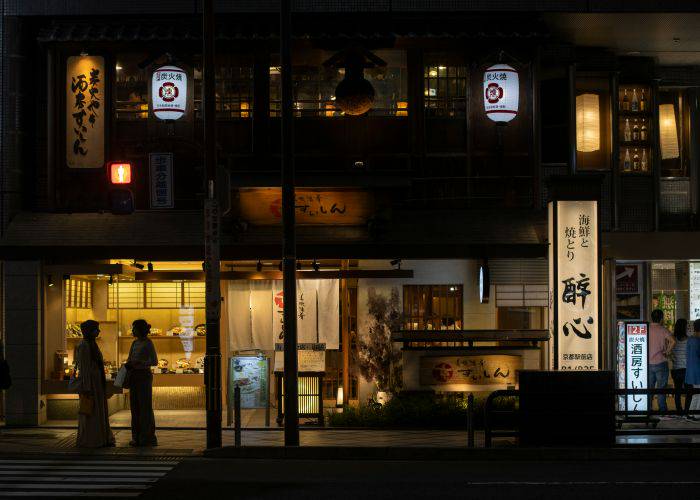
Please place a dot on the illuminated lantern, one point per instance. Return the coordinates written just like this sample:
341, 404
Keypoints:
169, 92
501, 92
587, 123
120, 173
668, 133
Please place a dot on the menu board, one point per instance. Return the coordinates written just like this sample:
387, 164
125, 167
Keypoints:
310, 357
694, 272
250, 373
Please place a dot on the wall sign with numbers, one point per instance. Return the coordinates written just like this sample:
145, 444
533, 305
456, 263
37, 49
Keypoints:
574, 283
636, 365
161, 173
85, 113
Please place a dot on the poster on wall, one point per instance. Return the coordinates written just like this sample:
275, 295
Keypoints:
250, 373
85, 108
575, 284
694, 287
469, 370
637, 364
628, 291
666, 301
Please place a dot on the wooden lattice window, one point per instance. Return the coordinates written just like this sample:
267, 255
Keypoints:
432, 307
78, 293
445, 90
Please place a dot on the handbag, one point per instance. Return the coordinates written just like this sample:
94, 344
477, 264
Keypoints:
122, 378
87, 405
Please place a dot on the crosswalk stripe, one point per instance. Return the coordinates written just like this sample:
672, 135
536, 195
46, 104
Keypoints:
53, 478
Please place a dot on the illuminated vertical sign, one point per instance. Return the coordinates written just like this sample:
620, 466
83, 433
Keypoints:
85, 112
637, 365
574, 284
694, 278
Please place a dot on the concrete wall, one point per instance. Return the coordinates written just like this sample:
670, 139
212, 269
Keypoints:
22, 288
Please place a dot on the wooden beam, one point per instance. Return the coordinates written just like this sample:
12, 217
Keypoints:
469, 335
277, 275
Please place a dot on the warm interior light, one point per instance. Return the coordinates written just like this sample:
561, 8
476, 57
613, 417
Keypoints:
402, 108
587, 123
339, 397
245, 109
120, 173
668, 133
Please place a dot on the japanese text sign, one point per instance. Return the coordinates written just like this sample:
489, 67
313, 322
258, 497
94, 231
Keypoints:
637, 364
459, 371
501, 92
161, 165
85, 122
169, 92
575, 284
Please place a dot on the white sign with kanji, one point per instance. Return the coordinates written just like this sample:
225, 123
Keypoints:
161, 170
576, 284
501, 92
637, 365
169, 92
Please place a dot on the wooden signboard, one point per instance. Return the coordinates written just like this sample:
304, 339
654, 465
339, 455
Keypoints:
263, 207
484, 369
85, 112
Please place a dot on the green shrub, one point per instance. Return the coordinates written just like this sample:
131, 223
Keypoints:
421, 411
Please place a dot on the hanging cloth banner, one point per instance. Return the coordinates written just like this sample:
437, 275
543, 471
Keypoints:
261, 314
306, 311
329, 312
239, 323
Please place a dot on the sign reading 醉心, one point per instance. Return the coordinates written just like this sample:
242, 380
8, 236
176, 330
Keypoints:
501, 92
85, 122
637, 364
169, 92
574, 299
161, 166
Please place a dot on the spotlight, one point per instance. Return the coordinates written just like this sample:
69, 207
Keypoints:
316, 266
259, 266
150, 267
50, 280
111, 280
137, 265
66, 277
396, 263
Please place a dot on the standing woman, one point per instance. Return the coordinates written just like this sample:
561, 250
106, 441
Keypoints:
692, 372
678, 354
93, 419
142, 356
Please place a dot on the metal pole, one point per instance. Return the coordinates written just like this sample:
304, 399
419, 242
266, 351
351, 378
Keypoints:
291, 389
212, 258
237, 415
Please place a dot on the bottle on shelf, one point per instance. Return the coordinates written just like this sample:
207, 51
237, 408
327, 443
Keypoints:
635, 131
644, 162
627, 163
643, 132
643, 102
625, 102
635, 161
628, 130
634, 104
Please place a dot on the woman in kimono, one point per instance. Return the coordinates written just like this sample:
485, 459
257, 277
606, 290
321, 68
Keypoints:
93, 425
142, 356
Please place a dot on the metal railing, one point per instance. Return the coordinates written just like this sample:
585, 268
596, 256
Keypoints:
490, 412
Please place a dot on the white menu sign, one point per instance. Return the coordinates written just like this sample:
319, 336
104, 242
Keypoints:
575, 287
637, 361
161, 180
694, 271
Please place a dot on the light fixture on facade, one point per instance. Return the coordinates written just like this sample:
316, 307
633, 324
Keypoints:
118, 67
587, 123
120, 173
501, 93
169, 92
150, 267
668, 133
339, 397
50, 280
111, 280
396, 263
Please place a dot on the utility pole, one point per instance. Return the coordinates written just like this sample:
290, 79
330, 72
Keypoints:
289, 252
212, 256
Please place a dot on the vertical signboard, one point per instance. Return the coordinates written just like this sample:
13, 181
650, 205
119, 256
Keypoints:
694, 288
637, 365
85, 109
575, 284
161, 170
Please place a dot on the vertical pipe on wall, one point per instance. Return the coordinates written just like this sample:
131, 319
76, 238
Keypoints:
291, 399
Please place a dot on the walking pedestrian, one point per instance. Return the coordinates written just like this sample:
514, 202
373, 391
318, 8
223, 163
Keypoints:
692, 372
90, 383
660, 344
678, 357
142, 356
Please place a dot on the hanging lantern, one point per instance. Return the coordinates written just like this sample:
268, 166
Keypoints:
668, 132
587, 123
169, 92
501, 93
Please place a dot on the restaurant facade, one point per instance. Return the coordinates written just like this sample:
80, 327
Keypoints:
477, 193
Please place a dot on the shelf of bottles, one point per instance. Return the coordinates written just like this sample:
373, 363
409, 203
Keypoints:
634, 129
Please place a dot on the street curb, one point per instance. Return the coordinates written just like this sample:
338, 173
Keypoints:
637, 453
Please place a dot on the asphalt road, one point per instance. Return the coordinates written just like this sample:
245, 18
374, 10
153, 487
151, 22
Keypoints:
202, 478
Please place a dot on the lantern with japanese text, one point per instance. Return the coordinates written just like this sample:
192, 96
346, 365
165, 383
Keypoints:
169, 92
501, 93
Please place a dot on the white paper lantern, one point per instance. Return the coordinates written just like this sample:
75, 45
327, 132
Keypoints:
587, 123
668, 133
501, 92
169, 92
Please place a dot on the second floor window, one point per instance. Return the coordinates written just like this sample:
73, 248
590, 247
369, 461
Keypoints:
445, 90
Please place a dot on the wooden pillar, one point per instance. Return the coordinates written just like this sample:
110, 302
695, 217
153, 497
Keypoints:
345, 331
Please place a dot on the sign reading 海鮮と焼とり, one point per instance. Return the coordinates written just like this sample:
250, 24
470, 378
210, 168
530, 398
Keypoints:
85, 108
161, 176
574, 300
460, 371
